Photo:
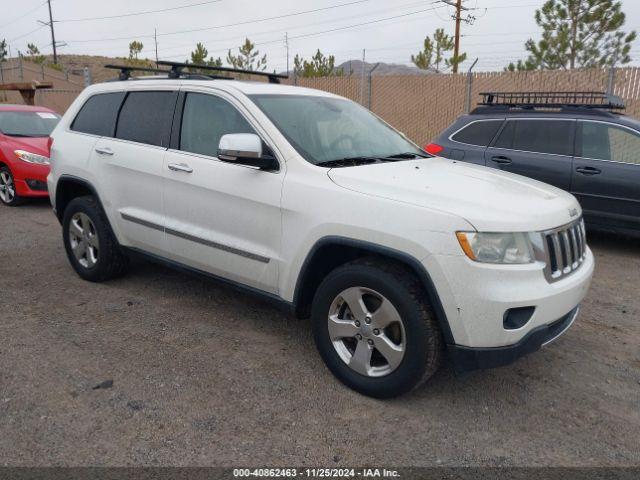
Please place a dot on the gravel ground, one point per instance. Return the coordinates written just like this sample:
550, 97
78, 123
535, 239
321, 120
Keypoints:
203, 375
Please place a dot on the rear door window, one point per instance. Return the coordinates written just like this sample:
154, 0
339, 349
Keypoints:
602, 141
146, 117
98, 115
478, 133
538, 136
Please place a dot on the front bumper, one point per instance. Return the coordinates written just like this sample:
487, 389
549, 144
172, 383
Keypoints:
30, 179
465, 359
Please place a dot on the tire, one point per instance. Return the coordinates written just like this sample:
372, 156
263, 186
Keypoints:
8, 194
416, 334
84, 223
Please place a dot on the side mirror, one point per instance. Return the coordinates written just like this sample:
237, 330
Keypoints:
245, 149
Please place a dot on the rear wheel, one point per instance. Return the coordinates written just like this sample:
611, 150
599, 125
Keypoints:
374, 328
8, 194
91, 247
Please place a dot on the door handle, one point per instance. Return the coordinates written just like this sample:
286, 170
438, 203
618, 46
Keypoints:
104, 151
180, 167
501, 159
588, 170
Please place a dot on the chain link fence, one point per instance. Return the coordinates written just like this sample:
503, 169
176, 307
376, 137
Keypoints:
421, 106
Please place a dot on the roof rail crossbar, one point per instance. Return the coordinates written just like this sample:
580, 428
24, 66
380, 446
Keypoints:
588, 99
177, 67
125, 70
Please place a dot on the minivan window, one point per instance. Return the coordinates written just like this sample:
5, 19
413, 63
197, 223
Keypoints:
98, 115
604, 141
325, 129
205, 119
478, 133
539, 136
146, 117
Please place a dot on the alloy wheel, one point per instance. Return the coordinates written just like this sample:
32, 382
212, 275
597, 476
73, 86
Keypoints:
367, 331
7, 188
84, 240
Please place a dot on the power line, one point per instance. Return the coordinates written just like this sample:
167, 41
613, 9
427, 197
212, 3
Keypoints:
292, 37
287, 15
133, 14
25, 34
24, 15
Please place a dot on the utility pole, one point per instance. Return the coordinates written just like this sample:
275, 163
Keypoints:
53, 35
155, 39
286, 44
456, 47
457, 17
362, 86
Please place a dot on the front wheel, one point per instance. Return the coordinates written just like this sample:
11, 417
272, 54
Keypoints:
91, 247
8, 194
374, 328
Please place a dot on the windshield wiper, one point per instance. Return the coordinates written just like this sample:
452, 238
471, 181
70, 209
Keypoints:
408, 155
349, 161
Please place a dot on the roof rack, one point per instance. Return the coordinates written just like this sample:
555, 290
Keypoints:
588, 100
125, 70
125, 73
177, 67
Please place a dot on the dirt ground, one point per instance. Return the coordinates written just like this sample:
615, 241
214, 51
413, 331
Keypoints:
204, 375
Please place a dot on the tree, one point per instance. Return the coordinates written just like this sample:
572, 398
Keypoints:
135, 48
3, 50
199, 56
319, 66
433, 52
33, 52
247, 58
578, 34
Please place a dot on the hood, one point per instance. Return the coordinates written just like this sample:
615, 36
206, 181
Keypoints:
30, 144
491, 200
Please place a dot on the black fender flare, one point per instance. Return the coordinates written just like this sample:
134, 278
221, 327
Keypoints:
414, 264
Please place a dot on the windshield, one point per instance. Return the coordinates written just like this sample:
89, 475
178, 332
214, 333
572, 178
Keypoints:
325, 130
28, 124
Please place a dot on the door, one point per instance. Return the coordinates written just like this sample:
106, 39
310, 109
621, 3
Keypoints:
129, 168
606, 176
221, 218
539, 148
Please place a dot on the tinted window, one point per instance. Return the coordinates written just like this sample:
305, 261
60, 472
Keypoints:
146, 117
608, 142
98, 115
505, 139
28, 124
541, 136
478, 133
205, 119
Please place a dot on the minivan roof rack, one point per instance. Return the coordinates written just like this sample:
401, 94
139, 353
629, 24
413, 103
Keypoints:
563, 100
177, 67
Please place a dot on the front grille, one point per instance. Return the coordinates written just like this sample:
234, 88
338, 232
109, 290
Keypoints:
565, 249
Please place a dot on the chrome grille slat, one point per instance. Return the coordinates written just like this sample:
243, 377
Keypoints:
565, 250
574, 247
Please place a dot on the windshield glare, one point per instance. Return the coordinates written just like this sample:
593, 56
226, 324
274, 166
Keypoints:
28, 124
324, 129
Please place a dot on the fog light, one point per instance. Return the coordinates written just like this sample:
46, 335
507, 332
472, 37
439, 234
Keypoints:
517, 317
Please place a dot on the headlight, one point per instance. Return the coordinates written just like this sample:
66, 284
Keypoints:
31, 157
512, 248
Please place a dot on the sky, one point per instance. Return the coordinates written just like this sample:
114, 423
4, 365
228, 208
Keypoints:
388, 30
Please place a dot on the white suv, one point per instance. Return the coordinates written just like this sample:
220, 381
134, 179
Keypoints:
310, 200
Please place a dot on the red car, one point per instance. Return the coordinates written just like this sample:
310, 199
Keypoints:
24, 151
